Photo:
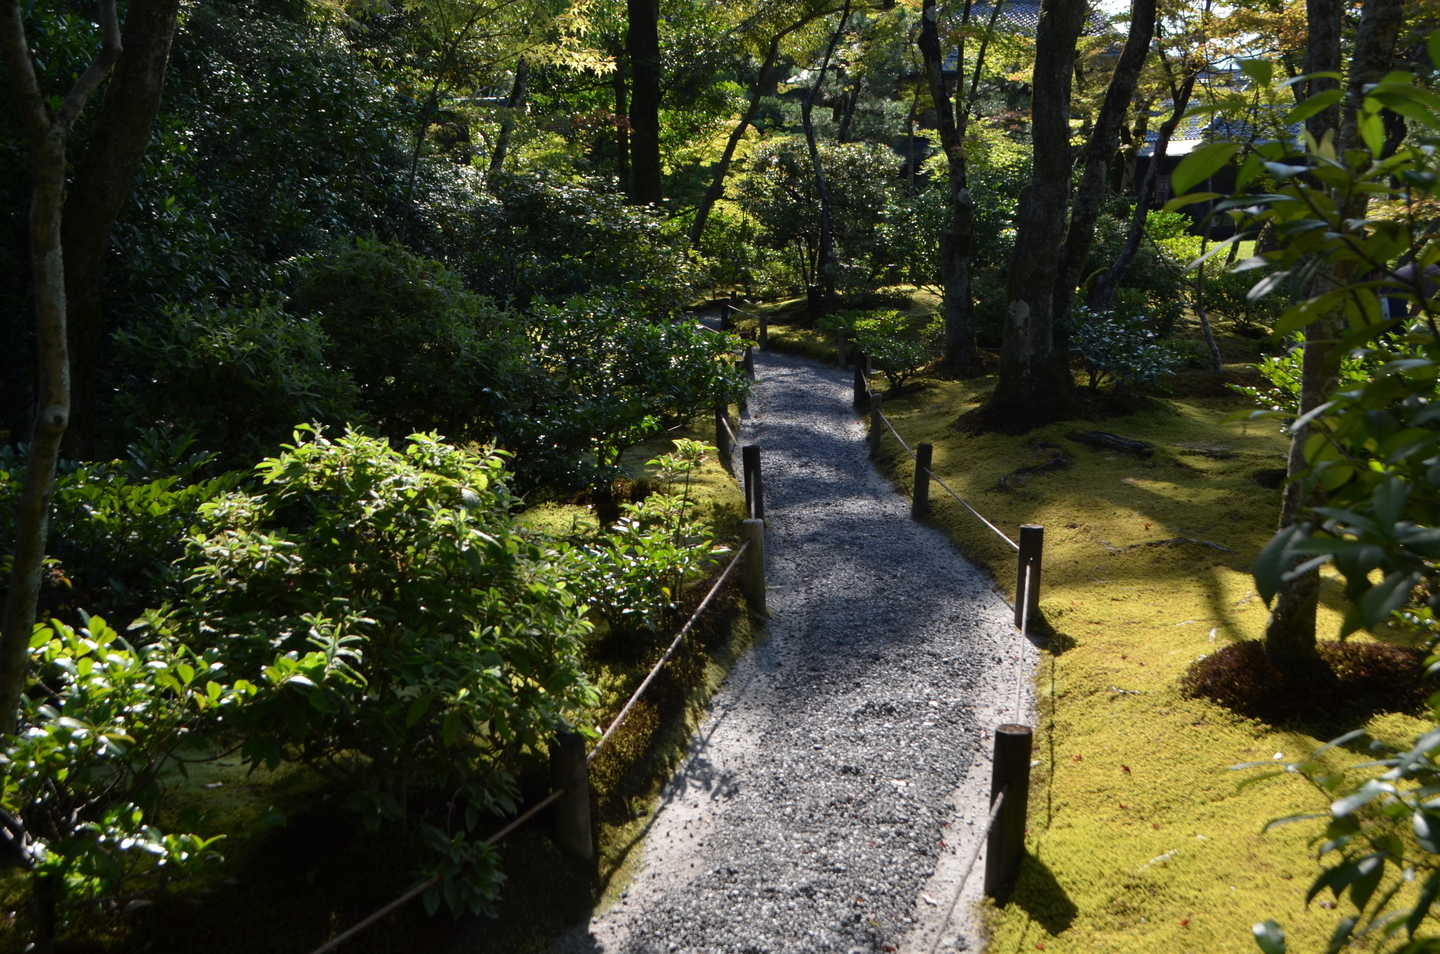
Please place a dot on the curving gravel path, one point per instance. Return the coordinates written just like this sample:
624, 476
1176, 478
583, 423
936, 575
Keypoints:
829, 797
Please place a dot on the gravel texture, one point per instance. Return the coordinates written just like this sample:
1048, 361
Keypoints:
829, 798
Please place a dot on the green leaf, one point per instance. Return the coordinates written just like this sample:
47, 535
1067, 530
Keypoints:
1341, 936
1314, 104
1201, 165
450, 727
1428, 892
417, 709
1270, 937
1261, 71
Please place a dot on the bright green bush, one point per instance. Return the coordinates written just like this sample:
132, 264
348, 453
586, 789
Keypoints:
80, 782
886, 338
408, 640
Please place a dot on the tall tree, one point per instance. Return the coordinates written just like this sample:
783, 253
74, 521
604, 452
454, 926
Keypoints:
513, 104
117, 141
1034, 384
642, 45
47, 127
1097, 156
958, 306
822, 293
1290, 631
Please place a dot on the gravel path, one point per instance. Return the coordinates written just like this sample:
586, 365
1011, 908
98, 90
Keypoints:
829, 797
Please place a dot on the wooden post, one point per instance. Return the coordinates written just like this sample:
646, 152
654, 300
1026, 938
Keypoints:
727, 314
920, 499
753, 532
877, 424
571, 812
723, 445
1027, 591
840, 347
1010, 773
862, 383
754, 485
763, 338
750, 362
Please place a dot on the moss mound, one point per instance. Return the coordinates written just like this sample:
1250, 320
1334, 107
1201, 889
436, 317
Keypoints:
1348, 683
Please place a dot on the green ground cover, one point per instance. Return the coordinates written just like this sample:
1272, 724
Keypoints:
1139, 837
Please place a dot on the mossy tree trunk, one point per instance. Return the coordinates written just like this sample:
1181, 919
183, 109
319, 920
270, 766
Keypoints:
1034, 386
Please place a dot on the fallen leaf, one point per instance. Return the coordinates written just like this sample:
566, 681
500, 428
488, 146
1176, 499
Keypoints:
1185, 922
1125, 769
1123, 805
1078, 758
1156, 825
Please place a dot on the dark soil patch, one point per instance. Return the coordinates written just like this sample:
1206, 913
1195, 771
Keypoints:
1346, 685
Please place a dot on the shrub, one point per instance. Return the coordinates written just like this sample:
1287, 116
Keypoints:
125, 524
239, 378
539, 236
635, 571
608, 379
425, 353
409, 641
1123, 350
886, 338
80, 779
1282, 374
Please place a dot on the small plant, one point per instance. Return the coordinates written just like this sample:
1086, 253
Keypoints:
885, 337
80, 782
1283, 371
1124, 351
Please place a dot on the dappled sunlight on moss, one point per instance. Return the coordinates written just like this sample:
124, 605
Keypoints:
1147, 567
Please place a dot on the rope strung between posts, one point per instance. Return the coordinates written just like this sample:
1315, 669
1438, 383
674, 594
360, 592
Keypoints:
969, 866
423, 886
936, 478
625, 712
725, 419
549, 799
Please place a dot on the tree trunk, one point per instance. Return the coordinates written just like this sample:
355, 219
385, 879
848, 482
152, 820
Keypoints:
513, 104
642, 43
1290, 631
1101, 297
1099, 151
853, 100
1033, 387
956, 241
717, 185
1217, 360
48, 131
825, 265
118, 138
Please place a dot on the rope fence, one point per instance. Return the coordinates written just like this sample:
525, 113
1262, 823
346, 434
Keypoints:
570, 762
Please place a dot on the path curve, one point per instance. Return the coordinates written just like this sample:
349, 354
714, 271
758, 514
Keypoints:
851, 742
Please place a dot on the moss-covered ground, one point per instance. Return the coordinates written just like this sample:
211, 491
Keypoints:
1139, 839
299, 868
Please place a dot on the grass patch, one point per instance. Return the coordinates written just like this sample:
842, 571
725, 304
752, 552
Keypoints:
1139, 840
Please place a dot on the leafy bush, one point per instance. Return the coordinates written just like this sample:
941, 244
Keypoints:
425, 353
886, 338
1227, 294
1282, 372
607, 380
409, 640
541, 236
778, 191
80, 781
1125, 351
125, 525
239, 378
635, 571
